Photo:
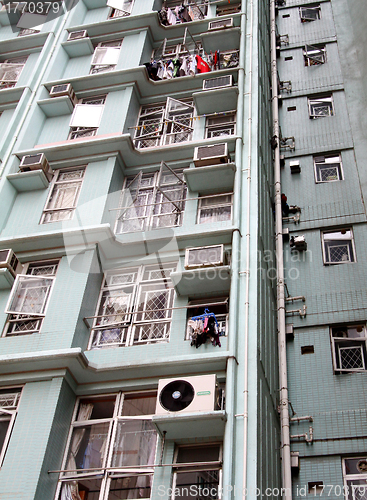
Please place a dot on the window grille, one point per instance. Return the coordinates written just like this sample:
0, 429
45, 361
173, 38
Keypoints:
215, 208
348, 345
219, 126
120, 8
105, 56
309, 14
10, 71
135, 307
320, 107
64, 194
151, 201
111, 448
86, 117
28, 299
328, 168
9, 402
338, 247
314, 55
164, 123
27, 31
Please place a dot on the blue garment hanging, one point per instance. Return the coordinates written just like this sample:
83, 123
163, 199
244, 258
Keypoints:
207, 314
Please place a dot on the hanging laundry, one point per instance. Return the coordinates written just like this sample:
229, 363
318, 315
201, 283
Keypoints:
163, 17
203, 328
202, 66
177, 65
171, 17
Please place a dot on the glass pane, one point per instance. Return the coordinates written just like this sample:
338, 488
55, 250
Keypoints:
199, 484
4, 424
30, 295
139, 405
215, 214
114, 305
135, 443
88, 447
63, 195
130, 487
203, 453
356, 465
83, 489
98, 408
57, 216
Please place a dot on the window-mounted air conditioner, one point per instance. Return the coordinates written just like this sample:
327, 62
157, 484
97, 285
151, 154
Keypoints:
9, 260
218, 83
76, 35
64, 90
295, 167
36, 162
204, 256
186, 394
220, 24
211, 155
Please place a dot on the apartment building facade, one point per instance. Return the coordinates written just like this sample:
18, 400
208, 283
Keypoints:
137, 250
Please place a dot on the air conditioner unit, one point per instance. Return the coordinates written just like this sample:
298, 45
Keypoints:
218, 83
36, 162
220, 24
64, 90
204, 256
76, 35
186, 395
9, 260
298, 243
295, 167
211, 155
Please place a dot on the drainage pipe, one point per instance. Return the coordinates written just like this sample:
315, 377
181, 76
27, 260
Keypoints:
283, 396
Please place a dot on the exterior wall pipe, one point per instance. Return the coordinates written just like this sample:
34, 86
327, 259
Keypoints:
234, 309
298, 419
35, 90
283, 393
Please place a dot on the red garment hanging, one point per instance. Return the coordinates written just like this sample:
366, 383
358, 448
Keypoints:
202, 66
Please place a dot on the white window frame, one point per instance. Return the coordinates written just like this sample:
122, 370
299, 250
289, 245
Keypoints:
328, 162
137, 323
86, 130
314, 55
320, 102
177, 468
220, 125
33, 271
345, 240
314, 8
104, 473
162, 199
55, 187
223, 318
349, 338
8, 413
111, 53
213, 206
170, 122
15, 64
120, 12
351, 479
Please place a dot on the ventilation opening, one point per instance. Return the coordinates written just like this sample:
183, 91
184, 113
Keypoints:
307, 349
315, 487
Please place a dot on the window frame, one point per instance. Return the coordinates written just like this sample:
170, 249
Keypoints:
351, 246
53, 192
16, 63
96, 68
340, 343
214, 206
12, 414
115, 12
325, 101
74, 131
315, 8
349, 478
332, 159
211, 126
311, 52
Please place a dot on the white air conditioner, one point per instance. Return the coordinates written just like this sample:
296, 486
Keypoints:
36, 162
64, 90
76, 35
186, 394
9, 260
220, 24
218, 83
211, 155
204, 256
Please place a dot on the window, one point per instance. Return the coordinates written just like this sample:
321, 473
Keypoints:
64, 194
120, 8
28, 299
328, 168
164, 123
309, 14
10, 71
9, 402
183, 11
111, 448
215, 208
348, 344
151, 201
314, 55
355, 478
320, 107
338, 246
86, 117
105, 56
225, 10
27, 31
135, 307
203, 480
218, 126
217, 305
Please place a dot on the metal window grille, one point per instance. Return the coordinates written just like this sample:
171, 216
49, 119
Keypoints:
27, 31
338, 247
135, 307
28, 299
349, 348
309, 14
328, 168
10, 71
314, 55
215, 209
355, 478
320, 107
63, 196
